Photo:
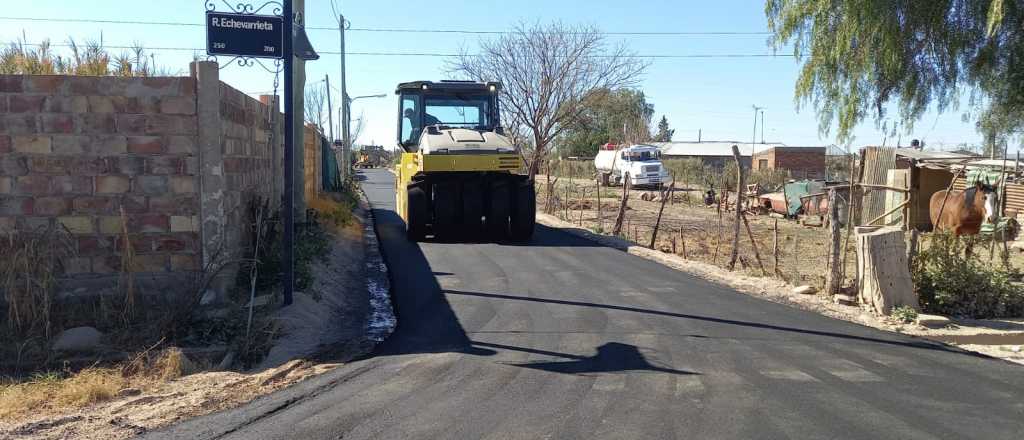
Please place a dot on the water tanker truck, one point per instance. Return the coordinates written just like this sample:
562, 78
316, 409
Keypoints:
641, 162
459, 174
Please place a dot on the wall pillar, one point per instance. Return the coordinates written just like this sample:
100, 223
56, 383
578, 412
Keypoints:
212, 219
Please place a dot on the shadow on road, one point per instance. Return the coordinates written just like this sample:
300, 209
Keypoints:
913, 344
611, 357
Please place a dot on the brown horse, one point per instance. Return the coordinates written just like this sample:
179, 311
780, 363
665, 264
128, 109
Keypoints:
964, 211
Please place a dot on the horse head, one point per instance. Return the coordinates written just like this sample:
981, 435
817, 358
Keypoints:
991, 200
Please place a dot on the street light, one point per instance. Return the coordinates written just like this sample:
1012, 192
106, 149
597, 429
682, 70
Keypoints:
346, 121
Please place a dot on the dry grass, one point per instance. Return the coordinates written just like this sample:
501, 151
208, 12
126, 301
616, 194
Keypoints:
59, 392
30, 263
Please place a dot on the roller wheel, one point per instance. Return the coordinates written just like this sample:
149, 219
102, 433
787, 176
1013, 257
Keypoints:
446, 210
416, 226
473, 208
524, 213
499, 209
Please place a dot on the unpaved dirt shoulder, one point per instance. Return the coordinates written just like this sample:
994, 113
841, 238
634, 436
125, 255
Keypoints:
351, 282
781, 292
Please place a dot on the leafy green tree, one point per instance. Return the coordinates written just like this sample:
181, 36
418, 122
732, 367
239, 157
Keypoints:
617, 116
664, 133
860, 57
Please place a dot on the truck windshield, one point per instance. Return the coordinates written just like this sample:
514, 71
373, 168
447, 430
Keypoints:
465, 111
642, 156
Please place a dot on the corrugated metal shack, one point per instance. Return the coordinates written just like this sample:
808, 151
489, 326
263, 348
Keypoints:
897, 183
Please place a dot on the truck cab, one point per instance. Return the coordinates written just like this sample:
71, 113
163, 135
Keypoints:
641, 162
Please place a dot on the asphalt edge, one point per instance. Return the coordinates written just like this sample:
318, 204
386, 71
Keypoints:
381, 320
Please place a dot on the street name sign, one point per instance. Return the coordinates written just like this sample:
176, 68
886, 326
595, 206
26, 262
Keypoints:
244, 35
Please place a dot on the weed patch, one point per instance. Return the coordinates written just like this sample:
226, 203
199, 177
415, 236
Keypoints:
950, 284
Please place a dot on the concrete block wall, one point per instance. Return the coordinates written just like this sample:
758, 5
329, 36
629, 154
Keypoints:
77, 151
181, 157
801, 162
313, 173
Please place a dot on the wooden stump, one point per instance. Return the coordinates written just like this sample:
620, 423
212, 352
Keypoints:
882, 264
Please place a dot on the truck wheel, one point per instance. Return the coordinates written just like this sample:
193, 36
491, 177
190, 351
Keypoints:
416, 211
499, 209
472, 208
524, 213
446, 211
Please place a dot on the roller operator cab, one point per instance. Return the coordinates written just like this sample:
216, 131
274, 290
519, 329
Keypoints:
458, 177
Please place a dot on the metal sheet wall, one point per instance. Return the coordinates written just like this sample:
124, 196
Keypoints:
877, 163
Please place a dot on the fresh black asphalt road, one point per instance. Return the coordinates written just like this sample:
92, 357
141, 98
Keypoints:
562, 339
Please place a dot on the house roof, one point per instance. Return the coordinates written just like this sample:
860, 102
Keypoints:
710, 148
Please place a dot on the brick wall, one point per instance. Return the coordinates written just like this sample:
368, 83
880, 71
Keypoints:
182, 157
312, 174
801, 162
76, 151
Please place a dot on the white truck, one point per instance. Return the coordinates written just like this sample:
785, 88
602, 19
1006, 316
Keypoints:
641, 162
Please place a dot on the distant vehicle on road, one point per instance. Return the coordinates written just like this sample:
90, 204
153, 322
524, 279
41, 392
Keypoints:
641, 162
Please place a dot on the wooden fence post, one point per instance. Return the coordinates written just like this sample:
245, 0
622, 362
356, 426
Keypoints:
657, 223
617, 229
753, 244
739, 208
833, 282
775, 248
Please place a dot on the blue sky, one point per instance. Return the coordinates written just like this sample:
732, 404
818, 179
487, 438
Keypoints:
714, 95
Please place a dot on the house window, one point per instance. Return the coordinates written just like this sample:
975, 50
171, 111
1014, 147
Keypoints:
762, 164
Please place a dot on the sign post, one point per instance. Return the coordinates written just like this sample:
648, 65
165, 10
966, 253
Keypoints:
245, 35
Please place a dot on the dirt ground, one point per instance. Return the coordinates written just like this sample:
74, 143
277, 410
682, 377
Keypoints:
801, 257
705, 231
147, 405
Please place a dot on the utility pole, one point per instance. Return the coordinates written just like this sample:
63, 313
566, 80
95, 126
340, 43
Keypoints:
298, 117
330, 114
762, 126
287, 241
346, 143
753, 138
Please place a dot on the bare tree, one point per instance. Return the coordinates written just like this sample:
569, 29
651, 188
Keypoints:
315, 102
547, 72
357, 128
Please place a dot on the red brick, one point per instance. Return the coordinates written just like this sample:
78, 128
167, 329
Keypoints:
71, 144
174, 243
112, 184
58, 123
49, 164
149, 223
141, 243
96, 245
181, 205
66, 104
187, 86
134, 204
181, 145
90, 166
234, 164
97, 123
84, 85
145, 144
16, 205
51, 206
94, 205
68, 185
26, 103
178, 105
128, 165
35, 185
11, 84
168, 124
131, 124
109, 145
100, 104
164, 165
49, 84
18, 124
5, 144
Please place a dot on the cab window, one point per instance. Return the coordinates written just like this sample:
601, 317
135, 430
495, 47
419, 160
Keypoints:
411, 125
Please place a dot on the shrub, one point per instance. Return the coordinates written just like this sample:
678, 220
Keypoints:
950, 284
904, 314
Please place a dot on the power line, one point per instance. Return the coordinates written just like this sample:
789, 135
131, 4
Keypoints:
388, 30
440, 54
